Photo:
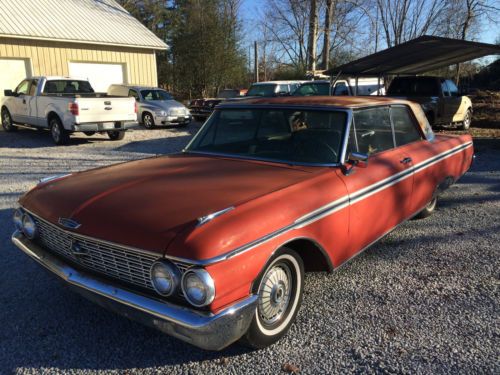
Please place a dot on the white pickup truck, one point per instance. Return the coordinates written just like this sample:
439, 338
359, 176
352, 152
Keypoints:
65, 105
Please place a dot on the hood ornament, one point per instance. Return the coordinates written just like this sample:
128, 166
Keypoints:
205, 219
69, 223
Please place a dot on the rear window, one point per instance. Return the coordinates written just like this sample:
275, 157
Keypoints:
414, 86
312, 89
67, 86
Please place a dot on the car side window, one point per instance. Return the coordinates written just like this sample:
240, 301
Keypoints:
34, 85
405, 129
444, 88
340, 89
134, 94
373, 130
452, 87
283, 88
23, 87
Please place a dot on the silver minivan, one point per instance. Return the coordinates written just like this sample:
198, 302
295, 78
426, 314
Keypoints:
156, 107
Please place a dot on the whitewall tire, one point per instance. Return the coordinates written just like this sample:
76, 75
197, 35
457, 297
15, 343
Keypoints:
280, 288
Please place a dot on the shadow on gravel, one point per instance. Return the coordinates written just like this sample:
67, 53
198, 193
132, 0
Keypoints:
24, 138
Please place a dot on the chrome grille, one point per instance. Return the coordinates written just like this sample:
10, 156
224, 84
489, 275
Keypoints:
111, 260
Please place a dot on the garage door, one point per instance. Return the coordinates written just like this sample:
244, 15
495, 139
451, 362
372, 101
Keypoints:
12, 72
99, 75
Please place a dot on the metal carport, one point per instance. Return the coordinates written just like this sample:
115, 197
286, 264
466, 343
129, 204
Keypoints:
416, 56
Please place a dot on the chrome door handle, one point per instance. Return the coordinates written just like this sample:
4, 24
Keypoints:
405, 160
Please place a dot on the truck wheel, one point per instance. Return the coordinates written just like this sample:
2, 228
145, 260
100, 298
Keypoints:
148, 120
279, 299
60, 136
467, 120
115, 135
428, 210
89, 134
7, 123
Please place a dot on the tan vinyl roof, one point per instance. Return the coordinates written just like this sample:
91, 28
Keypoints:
77, 21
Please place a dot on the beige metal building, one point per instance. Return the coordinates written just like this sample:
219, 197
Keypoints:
96, 40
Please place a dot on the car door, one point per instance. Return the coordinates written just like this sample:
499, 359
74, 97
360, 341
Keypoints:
454, 111
410, 139
31, 105
379, 194
19, 108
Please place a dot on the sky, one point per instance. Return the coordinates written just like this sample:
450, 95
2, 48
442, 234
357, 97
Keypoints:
250, 10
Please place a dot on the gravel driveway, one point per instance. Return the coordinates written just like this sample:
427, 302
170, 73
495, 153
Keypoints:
423, 300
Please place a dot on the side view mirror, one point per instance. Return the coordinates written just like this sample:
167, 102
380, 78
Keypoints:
355, 159
8, 93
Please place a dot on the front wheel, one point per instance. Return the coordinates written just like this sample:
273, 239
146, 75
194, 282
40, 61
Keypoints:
115, 135
7, 123
148, 121
467, 120
279, 299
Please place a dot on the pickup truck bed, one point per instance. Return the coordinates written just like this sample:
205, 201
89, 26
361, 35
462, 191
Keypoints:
37, 103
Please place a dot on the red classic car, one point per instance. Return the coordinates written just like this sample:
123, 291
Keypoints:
211, 245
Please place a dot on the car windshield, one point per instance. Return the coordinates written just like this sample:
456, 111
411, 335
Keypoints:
66, 86
414, 86
310, 89
156, 95
261, 90
292, 136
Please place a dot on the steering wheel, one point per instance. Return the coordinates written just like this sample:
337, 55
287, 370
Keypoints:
309, 147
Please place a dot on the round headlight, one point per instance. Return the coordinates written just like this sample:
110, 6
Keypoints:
18, 219
198, 287
165, 277
29, 227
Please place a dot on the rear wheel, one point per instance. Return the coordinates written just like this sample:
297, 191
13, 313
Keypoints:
7, 123
428, 210
148, 121
89, 134
60, 136
467, 120
279, 299
115, 135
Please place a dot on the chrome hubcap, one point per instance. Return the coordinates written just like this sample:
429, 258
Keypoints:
274, 295
148, 121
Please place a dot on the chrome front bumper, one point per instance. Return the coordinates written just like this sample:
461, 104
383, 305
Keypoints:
203, 329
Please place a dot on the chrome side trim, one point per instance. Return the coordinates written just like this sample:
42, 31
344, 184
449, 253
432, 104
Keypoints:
203, 329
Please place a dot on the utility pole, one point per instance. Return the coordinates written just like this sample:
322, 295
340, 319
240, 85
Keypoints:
256, 62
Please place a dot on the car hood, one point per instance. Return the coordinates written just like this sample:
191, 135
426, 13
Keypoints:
146, 203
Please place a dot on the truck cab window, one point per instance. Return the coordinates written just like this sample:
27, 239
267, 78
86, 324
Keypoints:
23, 87
33, 87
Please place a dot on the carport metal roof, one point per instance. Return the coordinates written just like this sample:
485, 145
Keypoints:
416, 56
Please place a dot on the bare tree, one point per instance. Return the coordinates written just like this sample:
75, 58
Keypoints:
313, 35
402, 20
330, 5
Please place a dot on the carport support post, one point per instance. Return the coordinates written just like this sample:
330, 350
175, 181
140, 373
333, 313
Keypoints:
378, 85
256, 61
356, 87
